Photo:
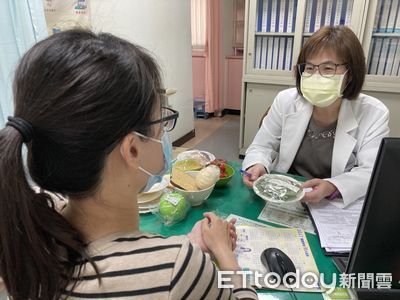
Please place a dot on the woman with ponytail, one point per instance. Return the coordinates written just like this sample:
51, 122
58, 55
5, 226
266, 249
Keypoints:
89, 109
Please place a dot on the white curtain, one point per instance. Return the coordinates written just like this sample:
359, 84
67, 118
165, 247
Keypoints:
22, 24
198, 24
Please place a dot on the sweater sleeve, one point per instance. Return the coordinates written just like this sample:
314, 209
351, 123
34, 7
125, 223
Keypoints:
195, 276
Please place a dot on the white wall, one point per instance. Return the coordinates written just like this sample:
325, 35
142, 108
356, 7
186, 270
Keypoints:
163, 27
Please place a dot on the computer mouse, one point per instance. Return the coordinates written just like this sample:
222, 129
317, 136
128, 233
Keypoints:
277, 261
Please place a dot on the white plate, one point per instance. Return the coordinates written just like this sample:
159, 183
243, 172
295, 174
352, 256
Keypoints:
148, 197
158, 186
154, 205
150, 204
145, 211
207, 156
149, 208
152, 208
299, 196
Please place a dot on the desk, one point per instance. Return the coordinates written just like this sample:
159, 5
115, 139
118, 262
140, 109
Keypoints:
237, 199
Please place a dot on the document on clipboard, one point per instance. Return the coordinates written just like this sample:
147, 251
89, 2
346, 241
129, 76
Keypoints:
252, 241
335, 226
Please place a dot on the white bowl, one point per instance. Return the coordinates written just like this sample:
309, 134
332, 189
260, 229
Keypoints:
195, 198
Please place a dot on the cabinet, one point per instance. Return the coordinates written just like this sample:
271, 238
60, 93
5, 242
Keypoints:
234, 67
261, 96
382, 41
238, 26
275, 31
199, 74
234, 63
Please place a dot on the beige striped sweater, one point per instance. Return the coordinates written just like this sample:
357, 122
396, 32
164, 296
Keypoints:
145, 266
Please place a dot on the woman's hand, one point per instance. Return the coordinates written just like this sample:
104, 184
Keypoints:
256, 171
217, 237
320, 190
196, 236
232, 232
216, 233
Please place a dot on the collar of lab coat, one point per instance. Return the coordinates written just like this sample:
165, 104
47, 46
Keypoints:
295, 124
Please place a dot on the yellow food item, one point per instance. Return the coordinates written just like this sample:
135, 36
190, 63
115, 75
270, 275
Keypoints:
188, 165
207, 177
183, 180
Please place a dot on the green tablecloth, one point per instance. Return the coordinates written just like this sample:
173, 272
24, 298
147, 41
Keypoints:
236, 198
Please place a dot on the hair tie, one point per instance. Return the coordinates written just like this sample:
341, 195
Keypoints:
23, 127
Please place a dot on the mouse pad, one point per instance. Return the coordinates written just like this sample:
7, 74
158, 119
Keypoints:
252, 241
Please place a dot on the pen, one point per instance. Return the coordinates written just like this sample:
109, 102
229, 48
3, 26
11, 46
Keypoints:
245, 173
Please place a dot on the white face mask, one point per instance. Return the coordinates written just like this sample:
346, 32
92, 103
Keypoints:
321, 91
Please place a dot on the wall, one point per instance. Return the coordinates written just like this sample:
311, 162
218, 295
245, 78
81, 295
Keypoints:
162, 27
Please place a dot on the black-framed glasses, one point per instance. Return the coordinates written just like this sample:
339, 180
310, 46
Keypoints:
168, 118
325, 69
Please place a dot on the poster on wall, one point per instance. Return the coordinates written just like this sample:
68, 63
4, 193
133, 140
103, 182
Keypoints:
66, 14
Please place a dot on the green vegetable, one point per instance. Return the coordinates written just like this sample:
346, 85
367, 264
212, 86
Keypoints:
173, 207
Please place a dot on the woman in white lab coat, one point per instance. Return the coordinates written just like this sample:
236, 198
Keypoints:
324, 129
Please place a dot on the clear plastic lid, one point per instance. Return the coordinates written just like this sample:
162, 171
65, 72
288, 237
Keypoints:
201, 156
278, 188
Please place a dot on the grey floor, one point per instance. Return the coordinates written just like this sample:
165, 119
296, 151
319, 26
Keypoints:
224, 142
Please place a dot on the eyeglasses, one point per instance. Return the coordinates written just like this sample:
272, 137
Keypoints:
168, 118
325, 69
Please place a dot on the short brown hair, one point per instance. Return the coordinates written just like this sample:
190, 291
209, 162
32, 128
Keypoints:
342, 41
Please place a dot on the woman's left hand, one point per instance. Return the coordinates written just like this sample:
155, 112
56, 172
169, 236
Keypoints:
195, 236
320, 190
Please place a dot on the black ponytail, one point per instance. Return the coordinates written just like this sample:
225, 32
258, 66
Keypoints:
81, 92
33, 235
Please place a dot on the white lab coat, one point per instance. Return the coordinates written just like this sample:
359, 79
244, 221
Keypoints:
361, 125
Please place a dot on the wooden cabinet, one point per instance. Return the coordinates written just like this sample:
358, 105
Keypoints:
233, 75
238, 26
199, 74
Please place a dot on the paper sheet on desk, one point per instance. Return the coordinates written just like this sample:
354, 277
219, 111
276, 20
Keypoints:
252, 241
336, 226
287, 214
242, 221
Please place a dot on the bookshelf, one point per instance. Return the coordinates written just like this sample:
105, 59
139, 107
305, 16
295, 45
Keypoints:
275, 31
383, 39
